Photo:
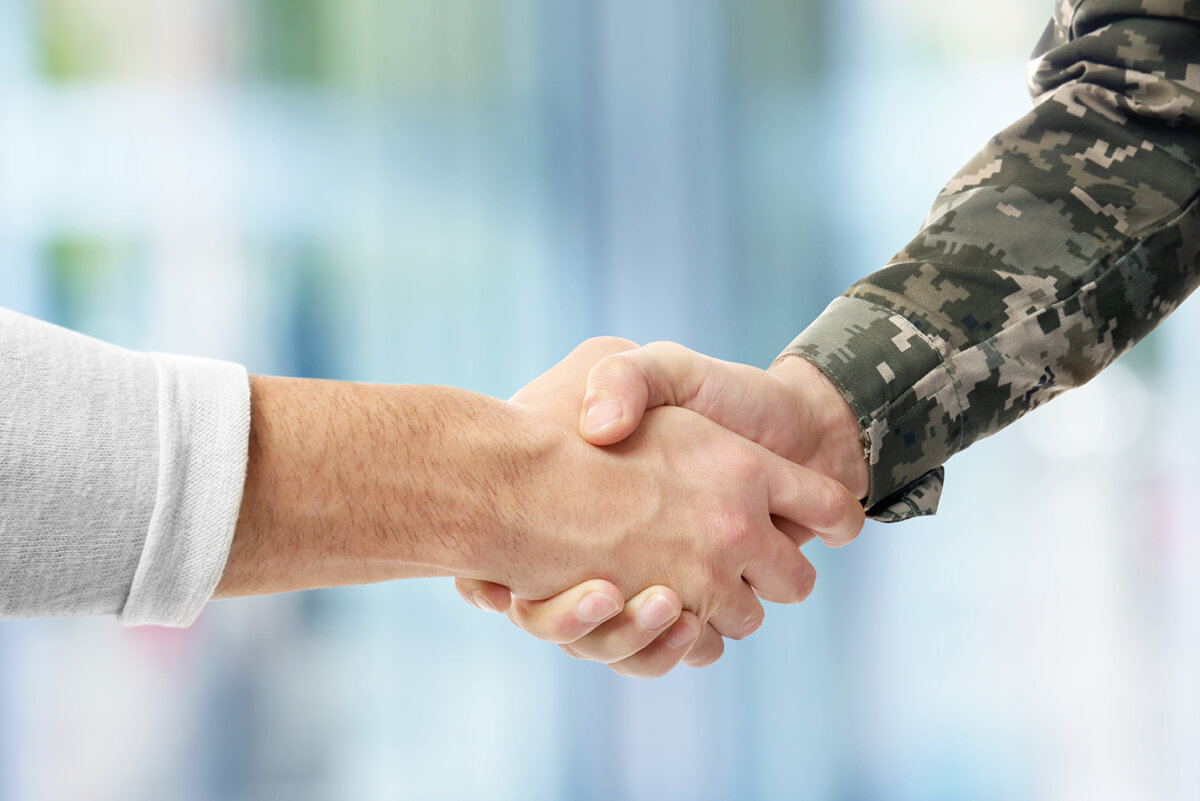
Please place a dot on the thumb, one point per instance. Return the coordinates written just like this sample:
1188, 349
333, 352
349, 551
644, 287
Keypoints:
623, 386
484, 594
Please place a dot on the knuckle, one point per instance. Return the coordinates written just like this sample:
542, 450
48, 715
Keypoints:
743, 468
642, 668
858, 519
809, 582
664, 349
518, 613
532, 619
712, 572
830, 505
708, 648
608, 344
739, 530
562, 630
737, 635
616, 646
464, 591
633, 671
703, 657
749, 624
754, 620
734, 529
803, 585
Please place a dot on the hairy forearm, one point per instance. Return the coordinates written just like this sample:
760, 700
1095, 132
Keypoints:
357, 483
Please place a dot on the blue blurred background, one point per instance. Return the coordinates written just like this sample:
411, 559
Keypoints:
457, 192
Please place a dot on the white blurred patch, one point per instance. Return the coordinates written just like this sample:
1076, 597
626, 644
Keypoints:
1104, 418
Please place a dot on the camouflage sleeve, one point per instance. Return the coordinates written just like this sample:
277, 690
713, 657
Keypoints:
1061, 244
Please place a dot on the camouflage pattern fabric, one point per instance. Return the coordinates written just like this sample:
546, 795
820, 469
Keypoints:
1063, 242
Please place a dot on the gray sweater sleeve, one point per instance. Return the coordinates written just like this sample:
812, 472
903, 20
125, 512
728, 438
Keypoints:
121, 476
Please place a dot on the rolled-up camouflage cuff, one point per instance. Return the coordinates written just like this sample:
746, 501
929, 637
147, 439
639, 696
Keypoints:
918, 499
904, 394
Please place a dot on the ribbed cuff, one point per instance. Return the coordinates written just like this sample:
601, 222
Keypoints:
203, 434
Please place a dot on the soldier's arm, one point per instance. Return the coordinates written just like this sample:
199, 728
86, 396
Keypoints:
1061, 244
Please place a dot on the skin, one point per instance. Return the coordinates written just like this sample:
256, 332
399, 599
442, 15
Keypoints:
792, 409
356, 483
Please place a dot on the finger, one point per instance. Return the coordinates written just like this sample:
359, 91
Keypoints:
645, 617
484, 594
569, 615
785, 576
813, 501
798, 534
563, 376
621, 387
667, 650
708, 649
739, 614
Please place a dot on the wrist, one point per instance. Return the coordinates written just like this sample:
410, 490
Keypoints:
514, 458
357, 483
837, 447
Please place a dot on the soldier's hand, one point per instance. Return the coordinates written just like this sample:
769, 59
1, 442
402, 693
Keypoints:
791, 409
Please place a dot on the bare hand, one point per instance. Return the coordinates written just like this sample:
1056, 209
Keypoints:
750, 401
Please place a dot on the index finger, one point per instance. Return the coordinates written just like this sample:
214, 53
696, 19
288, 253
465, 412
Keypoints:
813, 501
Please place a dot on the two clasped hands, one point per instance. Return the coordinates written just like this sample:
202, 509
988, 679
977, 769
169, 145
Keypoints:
710, 477
632, 504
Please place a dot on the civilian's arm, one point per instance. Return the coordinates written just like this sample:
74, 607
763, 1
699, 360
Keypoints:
125, 478
120, 476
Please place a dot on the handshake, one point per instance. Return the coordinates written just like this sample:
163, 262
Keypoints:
709, 479
632, 504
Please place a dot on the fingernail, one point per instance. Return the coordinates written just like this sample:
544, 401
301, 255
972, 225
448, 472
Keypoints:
682, 634
482, 601
656, 612
596, 607
601, 415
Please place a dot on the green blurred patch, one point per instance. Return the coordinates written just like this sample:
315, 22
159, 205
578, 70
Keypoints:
93, 283
72, 44
291, 40
79, 261
425, 50
436, 50
779, 43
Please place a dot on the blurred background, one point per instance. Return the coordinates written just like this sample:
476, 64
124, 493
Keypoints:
457, 192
